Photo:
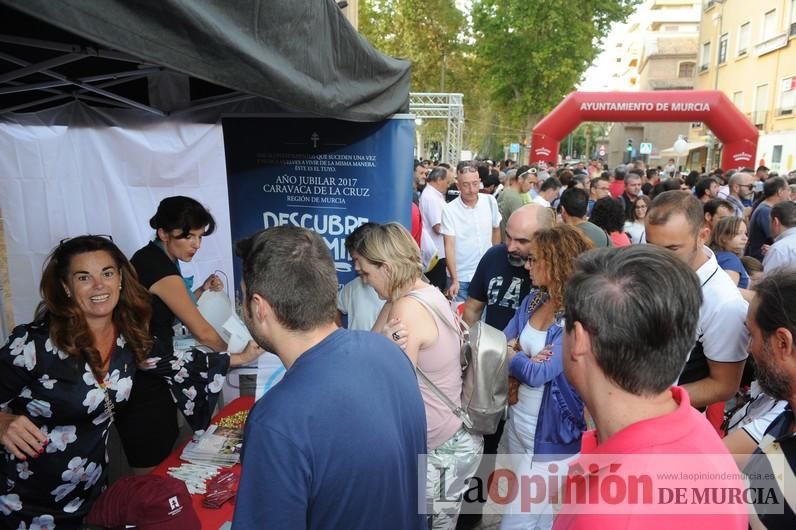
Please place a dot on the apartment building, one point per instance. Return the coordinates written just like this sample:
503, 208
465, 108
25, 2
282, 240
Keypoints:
746, 50
656, 51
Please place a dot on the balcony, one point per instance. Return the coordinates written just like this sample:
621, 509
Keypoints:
774, 43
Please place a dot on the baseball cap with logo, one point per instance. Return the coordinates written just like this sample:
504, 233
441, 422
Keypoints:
150, 502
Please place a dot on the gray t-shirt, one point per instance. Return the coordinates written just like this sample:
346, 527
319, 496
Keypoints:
596, 234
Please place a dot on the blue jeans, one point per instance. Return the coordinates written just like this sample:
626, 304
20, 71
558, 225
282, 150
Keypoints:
464, 287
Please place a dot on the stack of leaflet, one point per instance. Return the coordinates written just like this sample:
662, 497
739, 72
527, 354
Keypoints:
217, 446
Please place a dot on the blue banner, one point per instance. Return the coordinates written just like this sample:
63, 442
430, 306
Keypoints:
329, 176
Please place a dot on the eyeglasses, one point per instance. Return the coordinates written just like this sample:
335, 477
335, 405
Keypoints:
71, 238
641, 207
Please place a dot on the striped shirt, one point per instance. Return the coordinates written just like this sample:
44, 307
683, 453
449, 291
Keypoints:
771, 474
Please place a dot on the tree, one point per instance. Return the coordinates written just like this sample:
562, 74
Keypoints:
533, 52
435, 36
427, 32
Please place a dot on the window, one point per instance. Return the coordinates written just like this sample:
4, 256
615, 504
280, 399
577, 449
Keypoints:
787, 98
792, 18
686, 70
737, 99
769, 25
776, 156
744, 38
722, 56
705, 59
761, 104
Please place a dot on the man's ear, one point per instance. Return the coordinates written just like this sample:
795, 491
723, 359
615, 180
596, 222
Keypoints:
261, 310
781, 345
581, 342
704, 234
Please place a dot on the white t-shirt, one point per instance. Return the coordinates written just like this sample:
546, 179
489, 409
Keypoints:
361, 303
472, 228
636, 231
432, 202
542, 201
722, 315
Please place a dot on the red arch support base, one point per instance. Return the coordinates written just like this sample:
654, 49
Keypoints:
711, 107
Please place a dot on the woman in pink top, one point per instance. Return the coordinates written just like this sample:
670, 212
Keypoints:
388, 259
609, 214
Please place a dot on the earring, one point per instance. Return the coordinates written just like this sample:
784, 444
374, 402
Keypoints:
68, 294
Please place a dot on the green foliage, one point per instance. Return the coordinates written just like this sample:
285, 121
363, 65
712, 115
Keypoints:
534, 52
428, 33
513, 60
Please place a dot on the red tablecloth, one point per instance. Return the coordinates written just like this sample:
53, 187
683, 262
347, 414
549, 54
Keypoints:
211, 519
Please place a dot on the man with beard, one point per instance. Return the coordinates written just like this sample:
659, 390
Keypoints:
772, 326
499, 284
344, 391
713, 371
500, 280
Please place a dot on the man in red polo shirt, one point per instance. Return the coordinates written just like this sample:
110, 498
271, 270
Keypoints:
653, 462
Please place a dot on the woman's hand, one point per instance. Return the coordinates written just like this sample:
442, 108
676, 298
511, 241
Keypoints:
251, 352
543, 355
21, 437
396, 331
213, 283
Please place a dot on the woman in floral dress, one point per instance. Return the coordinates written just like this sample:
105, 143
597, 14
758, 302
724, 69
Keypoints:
65, 375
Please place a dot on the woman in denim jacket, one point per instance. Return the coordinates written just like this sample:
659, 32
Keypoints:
547, 422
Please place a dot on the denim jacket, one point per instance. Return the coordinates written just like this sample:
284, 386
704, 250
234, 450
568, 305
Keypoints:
560, 424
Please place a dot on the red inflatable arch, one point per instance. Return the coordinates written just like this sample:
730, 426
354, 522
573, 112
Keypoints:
711, 107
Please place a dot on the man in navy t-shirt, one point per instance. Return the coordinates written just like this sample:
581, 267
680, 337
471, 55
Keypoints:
335, 443
500, 281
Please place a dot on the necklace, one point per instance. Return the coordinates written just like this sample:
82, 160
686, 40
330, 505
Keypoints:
109, 409
540, 298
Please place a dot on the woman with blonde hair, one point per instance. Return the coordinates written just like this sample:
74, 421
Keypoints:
546, 421
389, 260
728, 240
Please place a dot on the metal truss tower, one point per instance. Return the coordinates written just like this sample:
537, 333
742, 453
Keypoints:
448, 106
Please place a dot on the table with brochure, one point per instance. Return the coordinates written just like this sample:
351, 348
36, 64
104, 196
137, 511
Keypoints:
220, 446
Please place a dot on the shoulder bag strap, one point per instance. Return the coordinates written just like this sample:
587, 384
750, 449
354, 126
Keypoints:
458, 411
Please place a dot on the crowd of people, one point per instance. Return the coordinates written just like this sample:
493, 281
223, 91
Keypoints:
630, 301
727, 236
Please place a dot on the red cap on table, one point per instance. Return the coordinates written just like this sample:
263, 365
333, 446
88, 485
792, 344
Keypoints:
150, 502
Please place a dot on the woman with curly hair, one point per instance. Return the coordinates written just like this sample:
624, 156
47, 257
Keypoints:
547, 419
609, 214
65, 376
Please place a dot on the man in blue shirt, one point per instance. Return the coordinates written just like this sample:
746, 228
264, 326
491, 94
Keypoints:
335, 443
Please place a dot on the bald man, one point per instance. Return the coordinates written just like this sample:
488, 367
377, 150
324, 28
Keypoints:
500, 280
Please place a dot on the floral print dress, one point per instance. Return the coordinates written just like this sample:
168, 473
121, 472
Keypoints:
61, 395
